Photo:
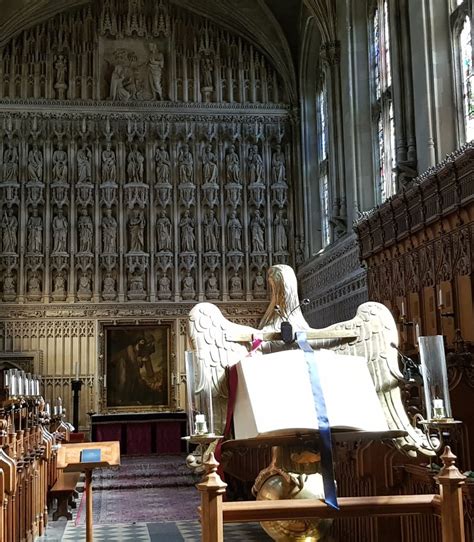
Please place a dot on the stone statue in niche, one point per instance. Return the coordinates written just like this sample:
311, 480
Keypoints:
256, 184
60, 84
60, 226
207, 69
108, 289
136, 288
109, 165
185, 165
210, 176
280, 224
232, 166
9, 227
212, 290
84, 158
84, 286
211, 232
259, 291
236, 291
135, 165
136, 229
10, 163
156, 63
86, 231
163, 232
35, 186
209, 161
9, 287
164, 287
255, 165
278, 165
234, 233
163, 165
60, 188
118, 92
59, 285
185, 172
188, 291
35, 164
109, 232
34, 286
257, 228
60, 164
186, 226
35, 232
163, 174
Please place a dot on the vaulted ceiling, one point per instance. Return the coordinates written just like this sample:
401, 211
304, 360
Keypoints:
272, 25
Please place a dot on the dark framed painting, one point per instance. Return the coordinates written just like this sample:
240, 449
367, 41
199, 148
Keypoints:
137, 367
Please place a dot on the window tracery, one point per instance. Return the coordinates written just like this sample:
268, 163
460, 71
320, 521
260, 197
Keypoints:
323, 162
382, 104
462, 49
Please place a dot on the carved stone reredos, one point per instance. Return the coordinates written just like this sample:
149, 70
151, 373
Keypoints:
148, 152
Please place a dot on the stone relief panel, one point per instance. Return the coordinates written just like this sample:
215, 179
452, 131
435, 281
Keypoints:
124, 52
142, 207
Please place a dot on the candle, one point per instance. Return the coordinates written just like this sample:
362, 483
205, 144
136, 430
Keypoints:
21, 382
440, 297
417, 333
13, 383
438, 409
48, 409
211, 410
200, 426
403, 309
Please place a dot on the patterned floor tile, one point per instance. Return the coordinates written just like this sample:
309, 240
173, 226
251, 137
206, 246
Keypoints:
250, 532
137, 532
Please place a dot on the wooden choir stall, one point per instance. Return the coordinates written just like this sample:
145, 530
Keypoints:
29, 438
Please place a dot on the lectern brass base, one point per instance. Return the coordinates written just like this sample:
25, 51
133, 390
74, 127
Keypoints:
294, 473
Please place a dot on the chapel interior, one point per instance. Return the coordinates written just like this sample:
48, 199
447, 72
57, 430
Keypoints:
172, 168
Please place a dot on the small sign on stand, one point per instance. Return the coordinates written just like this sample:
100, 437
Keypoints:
85, 457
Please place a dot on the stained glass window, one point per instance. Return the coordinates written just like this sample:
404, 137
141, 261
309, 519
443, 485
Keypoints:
383, 119
465, 49
323, 153
324, 195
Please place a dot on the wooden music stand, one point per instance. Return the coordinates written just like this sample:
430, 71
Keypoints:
69, 459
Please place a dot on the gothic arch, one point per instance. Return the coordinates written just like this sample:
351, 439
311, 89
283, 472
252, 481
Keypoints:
251, 20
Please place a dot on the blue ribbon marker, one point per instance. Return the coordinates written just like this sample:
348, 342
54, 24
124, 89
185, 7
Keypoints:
327, 467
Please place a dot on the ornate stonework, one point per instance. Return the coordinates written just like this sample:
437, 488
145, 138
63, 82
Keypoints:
334, 282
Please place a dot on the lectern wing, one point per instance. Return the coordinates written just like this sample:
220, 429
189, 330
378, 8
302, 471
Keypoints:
208, 330
375, 329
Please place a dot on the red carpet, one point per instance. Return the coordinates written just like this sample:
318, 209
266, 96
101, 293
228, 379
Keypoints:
144, 489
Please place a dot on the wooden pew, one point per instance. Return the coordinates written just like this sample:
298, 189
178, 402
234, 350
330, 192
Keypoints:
63, 491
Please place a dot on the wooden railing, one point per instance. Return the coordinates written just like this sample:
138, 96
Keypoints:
448, 505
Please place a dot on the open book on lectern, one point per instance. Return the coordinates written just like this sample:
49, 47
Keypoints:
275, 397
